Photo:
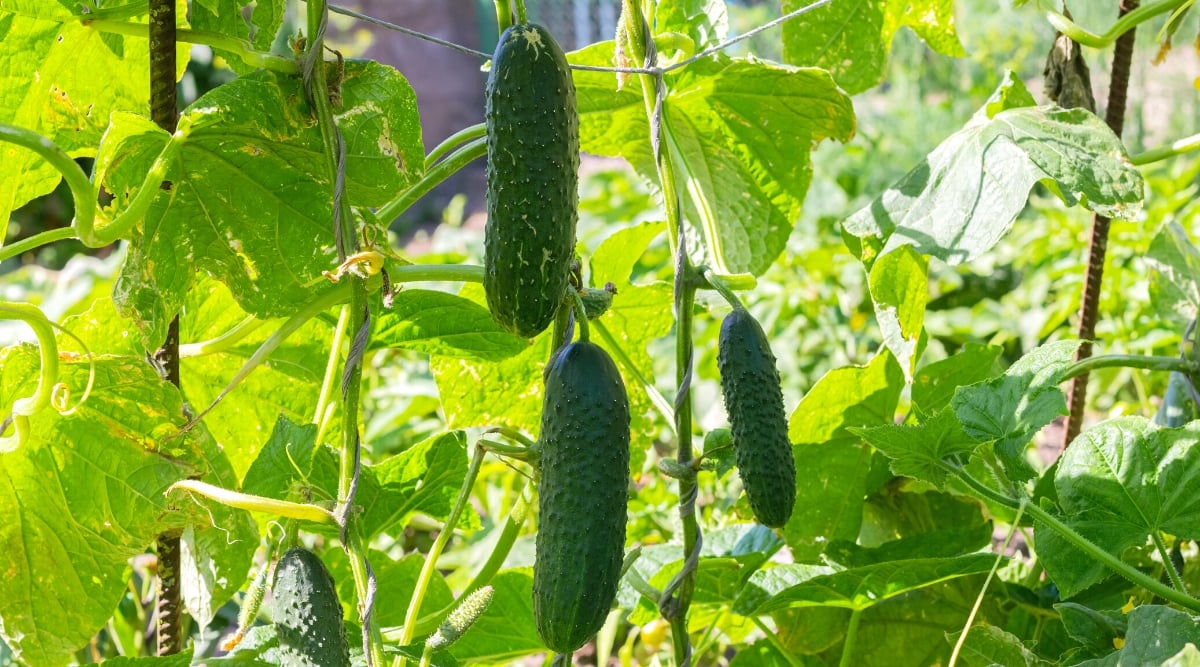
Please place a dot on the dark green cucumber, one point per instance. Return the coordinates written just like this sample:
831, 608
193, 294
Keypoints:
532, 178
754, 403
308, 615
582, 497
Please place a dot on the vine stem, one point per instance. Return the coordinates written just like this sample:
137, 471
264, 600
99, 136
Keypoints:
439, 545
83, 193
331, 364
851, 638
1085, 366
677, 596
467, 153
1125, 24
224, 342
1114, 115
1173, 149
1080, 542
317, 88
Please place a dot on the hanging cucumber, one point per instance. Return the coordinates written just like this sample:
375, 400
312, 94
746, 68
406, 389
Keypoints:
754, 403
308, 615
583, 496
532, 176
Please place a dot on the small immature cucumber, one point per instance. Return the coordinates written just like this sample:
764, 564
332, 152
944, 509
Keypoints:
1178, 407
754, 403
583, 495
308, 615
532, 179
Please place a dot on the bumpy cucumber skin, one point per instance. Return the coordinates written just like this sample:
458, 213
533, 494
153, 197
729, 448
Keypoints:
582, 497
754, 403
308, 615
532, 179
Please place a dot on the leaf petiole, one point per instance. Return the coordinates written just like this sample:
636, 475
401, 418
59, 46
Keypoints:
1123, 25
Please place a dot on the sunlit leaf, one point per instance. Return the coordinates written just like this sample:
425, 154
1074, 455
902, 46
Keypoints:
1118, 483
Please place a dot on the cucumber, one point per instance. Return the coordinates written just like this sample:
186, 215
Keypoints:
1178, 407
583, 452
754, 403
532, 179
308, 615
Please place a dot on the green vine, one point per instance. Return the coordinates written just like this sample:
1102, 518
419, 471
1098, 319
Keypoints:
83, 192
1123, 25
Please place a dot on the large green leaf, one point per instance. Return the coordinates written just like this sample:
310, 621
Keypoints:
919, 451
852, 38
1118, 483
861, 588
934, 384
251, 197
85, 494
899, 283
988, 645
1156, 635
832, 463
438, 323
739, 133
1174, 264
959, 201
1011, 409
67, 103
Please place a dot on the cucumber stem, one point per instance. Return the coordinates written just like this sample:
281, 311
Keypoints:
580, 315
1172, 574
504, 17
718, 283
